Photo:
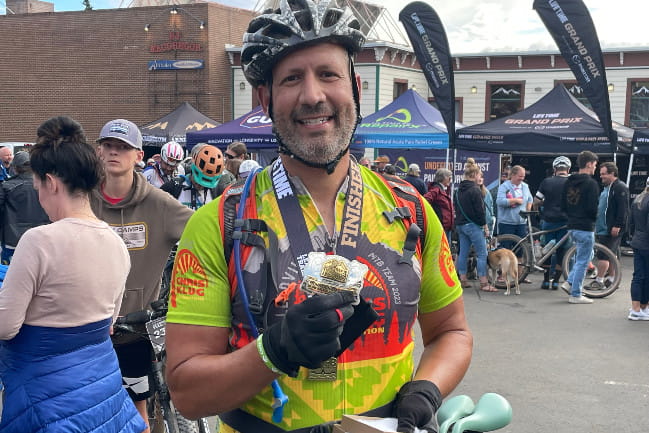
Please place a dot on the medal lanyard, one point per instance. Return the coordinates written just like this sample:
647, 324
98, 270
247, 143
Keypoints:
295, 224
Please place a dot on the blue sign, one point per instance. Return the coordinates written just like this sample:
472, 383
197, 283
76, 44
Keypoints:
176, 64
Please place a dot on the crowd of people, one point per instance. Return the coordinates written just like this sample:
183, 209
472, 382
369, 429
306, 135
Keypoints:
286, 286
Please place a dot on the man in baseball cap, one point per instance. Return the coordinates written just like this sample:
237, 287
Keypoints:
381, 162
124, 130
150, 221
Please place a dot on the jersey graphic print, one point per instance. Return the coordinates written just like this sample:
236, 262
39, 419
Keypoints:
188, 278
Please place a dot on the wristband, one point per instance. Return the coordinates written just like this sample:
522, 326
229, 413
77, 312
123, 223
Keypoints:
264, 357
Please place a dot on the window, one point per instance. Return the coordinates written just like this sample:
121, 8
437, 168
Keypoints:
639, 104
458, 107
399, 88
576, 91
503, 99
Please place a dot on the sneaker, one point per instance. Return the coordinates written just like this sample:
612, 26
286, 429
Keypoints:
638, 315
644, 310
554, 285
566, 286
545, 285
596, 285
579, 300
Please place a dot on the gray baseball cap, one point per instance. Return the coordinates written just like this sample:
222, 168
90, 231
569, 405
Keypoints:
20, 158
124, 130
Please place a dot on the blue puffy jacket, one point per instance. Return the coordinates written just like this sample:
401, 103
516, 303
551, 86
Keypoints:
64, 380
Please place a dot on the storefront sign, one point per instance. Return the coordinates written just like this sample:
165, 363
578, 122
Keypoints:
176, 64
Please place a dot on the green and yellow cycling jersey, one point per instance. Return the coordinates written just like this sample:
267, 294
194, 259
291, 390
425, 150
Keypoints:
373, 368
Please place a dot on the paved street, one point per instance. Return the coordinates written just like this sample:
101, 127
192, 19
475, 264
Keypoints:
564, 368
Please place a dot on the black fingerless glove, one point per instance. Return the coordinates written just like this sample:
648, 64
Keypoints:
309, 332
416, 405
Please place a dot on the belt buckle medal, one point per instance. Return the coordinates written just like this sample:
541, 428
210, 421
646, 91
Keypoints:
325, 274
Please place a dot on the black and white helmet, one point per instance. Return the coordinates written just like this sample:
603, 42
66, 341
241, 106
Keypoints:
272, 35
561, 161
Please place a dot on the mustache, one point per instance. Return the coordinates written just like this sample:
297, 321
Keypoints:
320, 109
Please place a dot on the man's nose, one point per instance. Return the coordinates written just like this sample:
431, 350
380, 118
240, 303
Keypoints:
312, 91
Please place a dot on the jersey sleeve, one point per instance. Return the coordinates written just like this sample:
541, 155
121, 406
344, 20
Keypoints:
200, 290
439, 283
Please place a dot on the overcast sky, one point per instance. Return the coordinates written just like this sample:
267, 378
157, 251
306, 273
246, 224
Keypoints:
475, 26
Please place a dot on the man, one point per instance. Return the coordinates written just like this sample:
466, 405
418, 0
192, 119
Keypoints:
161, 172
150, 222
513, 196
548, 201
199, 186
579, 201
236, 150
414, 179
19, 206
611, 223
439, 197
306, 85
6, 155
381, 162
365, 161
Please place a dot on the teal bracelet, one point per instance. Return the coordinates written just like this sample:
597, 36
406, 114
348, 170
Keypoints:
264, 357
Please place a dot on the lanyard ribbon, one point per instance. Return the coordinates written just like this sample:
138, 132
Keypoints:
296, 228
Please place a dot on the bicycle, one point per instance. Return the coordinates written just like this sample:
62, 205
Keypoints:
529, 260
150, 325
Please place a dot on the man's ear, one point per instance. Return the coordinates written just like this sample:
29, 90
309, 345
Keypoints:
263, 96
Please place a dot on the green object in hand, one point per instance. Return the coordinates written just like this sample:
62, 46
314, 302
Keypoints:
492, 412
452, 410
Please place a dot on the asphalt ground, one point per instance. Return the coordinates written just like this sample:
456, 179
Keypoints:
564, 368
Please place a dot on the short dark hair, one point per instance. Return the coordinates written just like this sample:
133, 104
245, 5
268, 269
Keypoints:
610, 168
586, 156
62, 150
238, 148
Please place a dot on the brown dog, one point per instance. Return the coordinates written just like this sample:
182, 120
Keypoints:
504, 260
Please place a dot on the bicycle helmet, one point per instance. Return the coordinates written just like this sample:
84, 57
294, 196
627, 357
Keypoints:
171, 153
274, 34
561, 161
207, 166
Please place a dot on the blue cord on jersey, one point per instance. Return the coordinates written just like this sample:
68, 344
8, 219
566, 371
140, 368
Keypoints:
279, 398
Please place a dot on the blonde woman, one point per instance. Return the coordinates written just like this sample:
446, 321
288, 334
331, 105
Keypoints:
471, 225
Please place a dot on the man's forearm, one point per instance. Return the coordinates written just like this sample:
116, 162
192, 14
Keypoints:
209, 384
446, 361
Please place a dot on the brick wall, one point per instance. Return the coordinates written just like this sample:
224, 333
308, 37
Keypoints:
93, 66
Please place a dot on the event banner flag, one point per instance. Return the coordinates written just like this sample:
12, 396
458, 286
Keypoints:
428, 39
572, 28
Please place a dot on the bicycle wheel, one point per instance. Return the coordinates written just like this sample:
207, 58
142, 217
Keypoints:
600, 252
523, 254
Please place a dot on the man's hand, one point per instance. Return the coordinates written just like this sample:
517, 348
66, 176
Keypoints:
309, 332
615, 231
416, 405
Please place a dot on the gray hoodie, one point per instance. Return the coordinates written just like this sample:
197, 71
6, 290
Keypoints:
150, 222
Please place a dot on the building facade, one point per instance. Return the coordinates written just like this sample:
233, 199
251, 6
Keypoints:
136, 63
487, 86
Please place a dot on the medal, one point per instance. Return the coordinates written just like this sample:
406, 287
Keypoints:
325, 274
328, 371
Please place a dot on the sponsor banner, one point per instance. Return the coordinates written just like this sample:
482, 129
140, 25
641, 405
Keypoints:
572, 28
256, 119
428, 38
430, 161
175, 64
641, 141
